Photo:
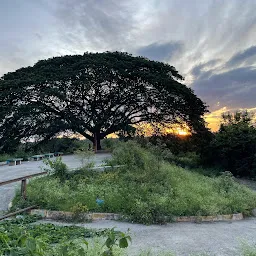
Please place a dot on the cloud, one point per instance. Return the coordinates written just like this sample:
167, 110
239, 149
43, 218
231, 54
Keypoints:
161, 51
200, 69
230, 84
214, 118
96, 25
242, 57
234, 88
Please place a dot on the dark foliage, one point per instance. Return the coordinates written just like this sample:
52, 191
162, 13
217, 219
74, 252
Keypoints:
65, 145
234, 145
93, 94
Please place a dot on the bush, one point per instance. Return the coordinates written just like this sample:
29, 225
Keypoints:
4, 157
23, 237
65, 145
56, 168
109, 143
20, 153
86, 157
175, 143
234, 149
134, 157
145, 190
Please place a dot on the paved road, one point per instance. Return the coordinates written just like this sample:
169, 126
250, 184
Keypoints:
249, 183
219, 238
26, 168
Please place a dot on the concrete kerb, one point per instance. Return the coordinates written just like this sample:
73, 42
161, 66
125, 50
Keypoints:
225, 217
59, 215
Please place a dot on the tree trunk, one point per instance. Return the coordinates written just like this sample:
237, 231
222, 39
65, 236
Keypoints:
96, 142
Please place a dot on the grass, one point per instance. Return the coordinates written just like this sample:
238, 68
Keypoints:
248, 249
147, 190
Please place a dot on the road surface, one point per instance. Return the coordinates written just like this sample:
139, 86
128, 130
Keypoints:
217, 238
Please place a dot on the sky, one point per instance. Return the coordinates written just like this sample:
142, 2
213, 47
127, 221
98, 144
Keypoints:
212, 43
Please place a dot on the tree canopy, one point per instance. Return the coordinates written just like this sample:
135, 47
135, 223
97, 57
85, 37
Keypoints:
94, 94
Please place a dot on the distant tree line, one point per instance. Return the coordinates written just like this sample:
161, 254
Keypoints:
232, 148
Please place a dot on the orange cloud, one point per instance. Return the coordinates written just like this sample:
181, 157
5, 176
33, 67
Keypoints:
213, 119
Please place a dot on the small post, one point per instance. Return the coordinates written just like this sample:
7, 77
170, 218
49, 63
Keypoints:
95, 142
23, 189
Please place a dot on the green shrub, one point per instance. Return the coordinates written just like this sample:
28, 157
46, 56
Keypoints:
4, 157
66, 145
56, 168
145, 190
86, 157
23, 237
109, 143
22, 154
18, 154
185, 160
175, 143
134, 157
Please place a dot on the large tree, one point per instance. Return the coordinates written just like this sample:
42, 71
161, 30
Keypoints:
94, 94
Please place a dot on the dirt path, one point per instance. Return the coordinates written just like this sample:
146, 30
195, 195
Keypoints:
219, 238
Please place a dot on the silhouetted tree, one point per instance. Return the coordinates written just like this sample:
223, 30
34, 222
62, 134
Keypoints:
94, 94
234, 145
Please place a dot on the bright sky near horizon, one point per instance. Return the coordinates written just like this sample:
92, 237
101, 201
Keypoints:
212, 43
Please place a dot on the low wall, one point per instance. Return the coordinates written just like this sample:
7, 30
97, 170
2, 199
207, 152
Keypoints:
226, 217
59, 215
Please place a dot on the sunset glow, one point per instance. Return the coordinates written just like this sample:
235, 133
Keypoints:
182, 132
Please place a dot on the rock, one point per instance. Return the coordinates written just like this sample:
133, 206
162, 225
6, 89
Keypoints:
10, 205
19, 217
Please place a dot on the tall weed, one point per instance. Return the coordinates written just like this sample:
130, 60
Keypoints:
146, 189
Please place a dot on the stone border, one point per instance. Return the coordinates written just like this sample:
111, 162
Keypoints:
226, 217
59, 215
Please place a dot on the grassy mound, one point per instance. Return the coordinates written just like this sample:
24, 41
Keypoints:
146, 190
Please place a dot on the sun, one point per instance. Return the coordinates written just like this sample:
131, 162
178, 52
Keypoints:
182, 132
177, 131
